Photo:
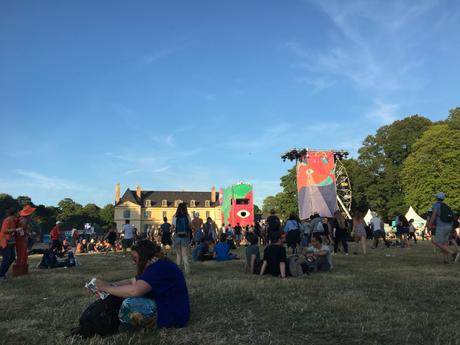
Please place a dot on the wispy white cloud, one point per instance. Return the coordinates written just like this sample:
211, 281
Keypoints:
37, 180
383, 113
166, 140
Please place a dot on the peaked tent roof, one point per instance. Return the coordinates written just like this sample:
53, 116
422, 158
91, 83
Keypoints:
368, 216
411, 214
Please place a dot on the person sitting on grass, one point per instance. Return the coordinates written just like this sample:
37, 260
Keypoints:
252, 264
158, 291
319, 254
222, 250
274, 261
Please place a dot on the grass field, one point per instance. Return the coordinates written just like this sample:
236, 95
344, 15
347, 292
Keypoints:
391, 296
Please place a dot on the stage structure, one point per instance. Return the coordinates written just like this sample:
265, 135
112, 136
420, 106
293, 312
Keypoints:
323, 184
237, 203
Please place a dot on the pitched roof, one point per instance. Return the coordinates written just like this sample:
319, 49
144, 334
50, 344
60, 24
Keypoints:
157, 197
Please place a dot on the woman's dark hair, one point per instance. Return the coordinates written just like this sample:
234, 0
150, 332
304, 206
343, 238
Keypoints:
252, 238
146, 250
293, 216
182, 210
223, 238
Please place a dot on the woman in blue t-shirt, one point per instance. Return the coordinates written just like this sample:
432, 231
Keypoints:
159, 290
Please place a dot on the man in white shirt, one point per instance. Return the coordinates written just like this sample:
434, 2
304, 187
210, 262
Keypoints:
377, 227
128, 236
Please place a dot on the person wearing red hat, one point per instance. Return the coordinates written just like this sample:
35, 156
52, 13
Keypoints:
22, 238
9, 227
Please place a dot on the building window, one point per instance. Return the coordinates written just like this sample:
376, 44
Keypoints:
177, 202
165, 214
208, 214
242, 201
147, 214
192, 203
207, 203
164, 203
148, 203
126, 214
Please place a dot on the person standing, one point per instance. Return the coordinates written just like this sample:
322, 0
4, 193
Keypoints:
75, 236
55, 236
273, 224
340, 232
128, 236
7, 241
181, 225
112, 238
238, 233
412, 231
292, 231
165, 229
197, 226
359, 231
442, 217
377, 227
22, 239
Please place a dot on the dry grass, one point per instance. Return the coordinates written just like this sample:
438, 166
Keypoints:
408, 297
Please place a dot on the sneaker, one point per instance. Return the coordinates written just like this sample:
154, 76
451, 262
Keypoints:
455, 257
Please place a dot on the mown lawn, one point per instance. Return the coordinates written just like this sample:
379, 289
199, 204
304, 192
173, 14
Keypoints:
391, 296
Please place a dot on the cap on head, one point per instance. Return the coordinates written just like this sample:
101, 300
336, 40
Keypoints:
440, 196
58, 222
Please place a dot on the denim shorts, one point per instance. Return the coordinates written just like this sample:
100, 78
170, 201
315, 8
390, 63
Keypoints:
379, 234
442, 234
182, 241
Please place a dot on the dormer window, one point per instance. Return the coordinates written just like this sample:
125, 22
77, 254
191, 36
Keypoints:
177, 202
207, 203
192, 203
148, 203
164, 203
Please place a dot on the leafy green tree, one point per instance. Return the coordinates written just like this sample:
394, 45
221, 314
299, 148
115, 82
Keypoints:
382, 155
270, 203
70, 213
106, 214
6, 202
433, 166
91, 213
23, 201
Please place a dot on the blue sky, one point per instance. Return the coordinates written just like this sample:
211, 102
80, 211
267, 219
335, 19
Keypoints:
178, 95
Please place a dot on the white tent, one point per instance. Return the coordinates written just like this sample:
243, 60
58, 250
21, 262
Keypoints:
368, 216
418, 221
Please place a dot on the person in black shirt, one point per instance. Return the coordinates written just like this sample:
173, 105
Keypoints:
274, 261
112, 238
165, 229
273, 224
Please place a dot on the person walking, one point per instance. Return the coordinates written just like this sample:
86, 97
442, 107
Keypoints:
412, 231
442, 217
359, 231
292, 231
181, 227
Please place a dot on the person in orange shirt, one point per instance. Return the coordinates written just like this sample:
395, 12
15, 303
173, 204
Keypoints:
55, 234
9, 227
22, 239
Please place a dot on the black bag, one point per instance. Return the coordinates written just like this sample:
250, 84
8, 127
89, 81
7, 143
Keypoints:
48, 260
446, 214
101, 318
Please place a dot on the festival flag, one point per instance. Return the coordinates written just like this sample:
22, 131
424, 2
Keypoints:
316, 187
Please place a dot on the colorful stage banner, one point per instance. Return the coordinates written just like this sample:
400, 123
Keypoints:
316, 187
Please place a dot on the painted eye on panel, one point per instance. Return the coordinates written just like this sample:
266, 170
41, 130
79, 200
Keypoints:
243, 214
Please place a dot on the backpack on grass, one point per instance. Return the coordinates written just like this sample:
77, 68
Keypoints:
101, 318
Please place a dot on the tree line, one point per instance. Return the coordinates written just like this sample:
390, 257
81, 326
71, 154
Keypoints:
69, 212
403, 164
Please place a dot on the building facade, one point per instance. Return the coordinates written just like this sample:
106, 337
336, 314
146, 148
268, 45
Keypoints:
146, 209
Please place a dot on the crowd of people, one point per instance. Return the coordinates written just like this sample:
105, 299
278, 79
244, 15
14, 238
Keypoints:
158, 292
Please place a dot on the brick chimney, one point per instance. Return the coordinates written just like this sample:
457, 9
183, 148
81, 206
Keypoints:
117, 193
138, 191
213, 194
